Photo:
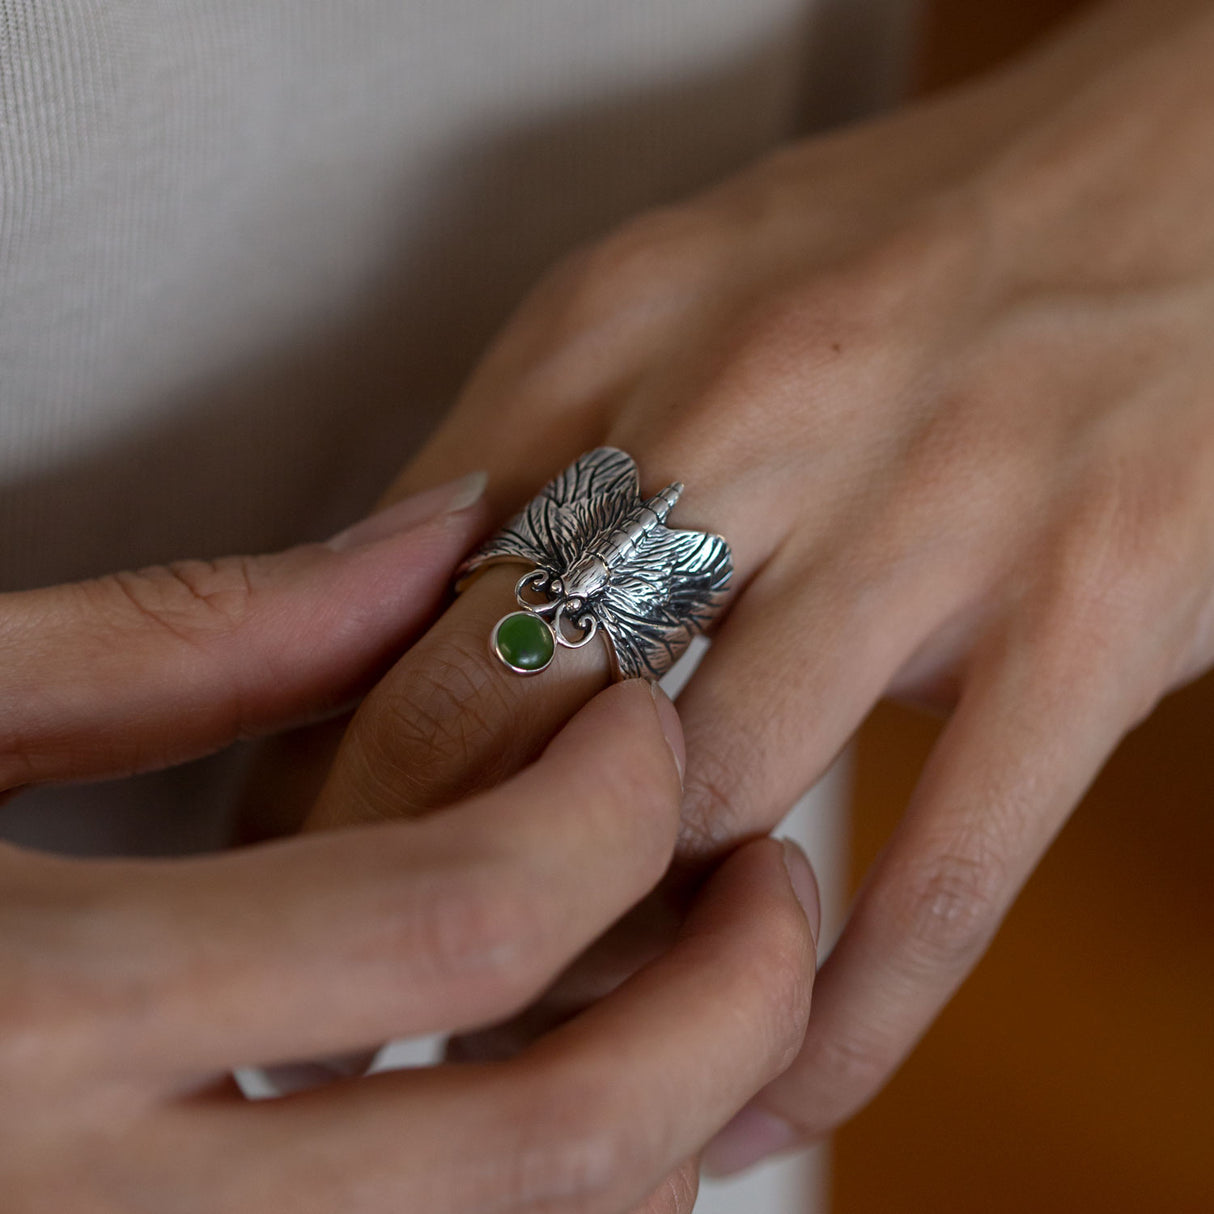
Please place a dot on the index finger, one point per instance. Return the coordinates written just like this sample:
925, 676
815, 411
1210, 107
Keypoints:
321, 945
145, 668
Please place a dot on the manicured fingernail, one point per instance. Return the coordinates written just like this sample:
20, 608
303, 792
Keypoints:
751, 1136
672, 727
804, 885
413, 511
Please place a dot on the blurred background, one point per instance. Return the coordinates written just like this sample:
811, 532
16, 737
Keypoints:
1075, 1069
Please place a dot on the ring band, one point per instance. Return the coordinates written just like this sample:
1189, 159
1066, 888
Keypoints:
604, 563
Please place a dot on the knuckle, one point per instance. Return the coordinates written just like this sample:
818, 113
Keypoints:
473, 927
786, 343
1097, 555
189, 599
1119, 562
856, 1061
713, 816
630, 271
847, 307
1127, 535
798, 320
646, 255
958, 450
809, 338
1088, 597
848, 1069
948, 907
935, 244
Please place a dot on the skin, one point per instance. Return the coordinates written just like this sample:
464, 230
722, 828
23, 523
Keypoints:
945, 382
131, 988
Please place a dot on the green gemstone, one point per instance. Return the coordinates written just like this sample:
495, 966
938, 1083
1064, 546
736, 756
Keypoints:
524, 642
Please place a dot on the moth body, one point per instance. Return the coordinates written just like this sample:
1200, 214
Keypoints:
590, 573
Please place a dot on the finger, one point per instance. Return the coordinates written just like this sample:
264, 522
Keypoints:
799, 663
139, 670
594, 1116
677, 1193
319, 946
1028, 736
449, 718
642, 935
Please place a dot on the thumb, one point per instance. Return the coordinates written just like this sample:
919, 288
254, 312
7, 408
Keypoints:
140, 670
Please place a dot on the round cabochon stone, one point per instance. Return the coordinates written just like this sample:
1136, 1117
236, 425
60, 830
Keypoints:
524, 642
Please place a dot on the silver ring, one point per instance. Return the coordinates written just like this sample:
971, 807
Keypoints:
604, 563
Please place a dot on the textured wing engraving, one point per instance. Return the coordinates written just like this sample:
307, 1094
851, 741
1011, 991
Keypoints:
661, 586
587, 501
671, 590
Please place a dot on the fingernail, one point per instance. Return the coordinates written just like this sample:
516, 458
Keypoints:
413, 511
751, 1136
672, 727
804, 885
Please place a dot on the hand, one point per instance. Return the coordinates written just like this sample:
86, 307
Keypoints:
945, 383
130, 988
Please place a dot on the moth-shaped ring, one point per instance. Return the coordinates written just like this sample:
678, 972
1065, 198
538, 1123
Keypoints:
603, 562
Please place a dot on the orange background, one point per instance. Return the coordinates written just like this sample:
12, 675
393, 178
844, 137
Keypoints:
1075, 1069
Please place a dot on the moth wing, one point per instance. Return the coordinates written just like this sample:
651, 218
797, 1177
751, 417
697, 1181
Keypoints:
590, 498
671, 590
